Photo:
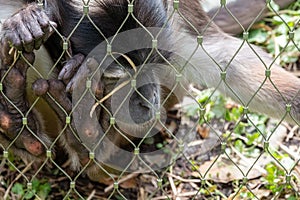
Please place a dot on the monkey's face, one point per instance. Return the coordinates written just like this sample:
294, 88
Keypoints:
135, 106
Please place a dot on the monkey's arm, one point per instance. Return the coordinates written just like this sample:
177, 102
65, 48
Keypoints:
29, 28
25, 30
245, 12
247, 73
255, 82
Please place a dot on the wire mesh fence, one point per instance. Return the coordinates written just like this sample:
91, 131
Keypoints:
111, 131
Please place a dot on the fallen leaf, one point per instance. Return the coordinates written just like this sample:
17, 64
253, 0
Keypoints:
203, 130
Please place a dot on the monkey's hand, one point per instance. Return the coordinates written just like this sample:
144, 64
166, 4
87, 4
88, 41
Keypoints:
71, 67
79, 77
26, 30
17, 122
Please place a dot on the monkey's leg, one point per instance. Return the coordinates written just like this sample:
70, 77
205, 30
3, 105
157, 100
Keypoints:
25, 31
89, 130
17, 122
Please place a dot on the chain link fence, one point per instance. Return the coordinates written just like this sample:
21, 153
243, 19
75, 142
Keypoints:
110, 136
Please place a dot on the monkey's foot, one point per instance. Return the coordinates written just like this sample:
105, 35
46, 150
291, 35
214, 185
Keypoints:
54, 93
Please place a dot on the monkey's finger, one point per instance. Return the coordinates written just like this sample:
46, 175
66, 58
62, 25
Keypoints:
24, 34
49, 30
15, 84
42, 18
10, 33
6, 124
35, 29
70, 86
10, 126
45, 24
6, 58
71, 67
57, 91
12, 38
40, 87
28, 142
85, 71
21, 152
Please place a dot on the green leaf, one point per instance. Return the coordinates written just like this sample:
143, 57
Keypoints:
239, 145
35, 184
18, 189
44, 190
274, 6
282, 29
191, 109
292, 198
29, 194
258, 36
281, 40
281, 19
252, 138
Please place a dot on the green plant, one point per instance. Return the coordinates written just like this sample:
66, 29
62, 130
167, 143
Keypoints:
279, 34
41, 188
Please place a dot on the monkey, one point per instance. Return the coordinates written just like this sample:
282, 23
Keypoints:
39, 86
244, 72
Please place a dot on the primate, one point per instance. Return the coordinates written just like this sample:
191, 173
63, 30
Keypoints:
17, 34
206, 52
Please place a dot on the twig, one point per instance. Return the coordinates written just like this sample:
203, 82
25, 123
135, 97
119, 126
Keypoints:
173, 187
122, 180
90, 197
246, 163
184, 180
288, 151
118, 87
16, 179
291, 133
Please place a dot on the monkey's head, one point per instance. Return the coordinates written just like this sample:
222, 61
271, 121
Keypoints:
129, 105
129, 71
